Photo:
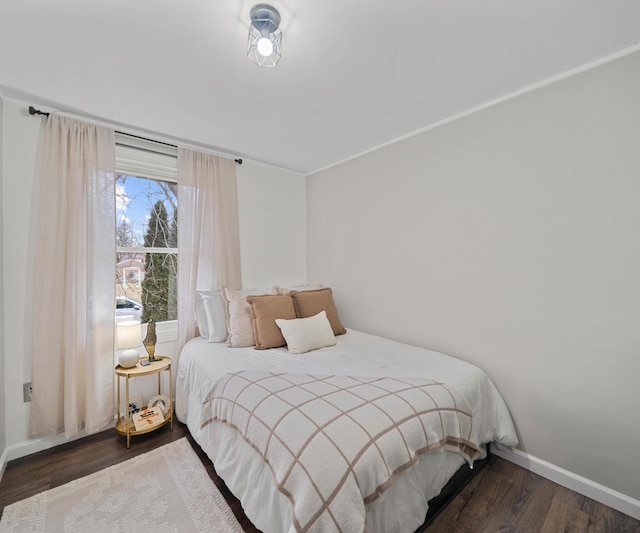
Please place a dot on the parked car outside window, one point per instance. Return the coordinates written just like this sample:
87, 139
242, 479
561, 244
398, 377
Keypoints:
127, 306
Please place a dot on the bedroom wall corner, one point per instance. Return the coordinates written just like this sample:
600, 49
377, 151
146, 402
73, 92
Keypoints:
272, 206
509, 238
20, 134
3, 418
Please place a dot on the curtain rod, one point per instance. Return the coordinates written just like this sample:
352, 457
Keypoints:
34, 111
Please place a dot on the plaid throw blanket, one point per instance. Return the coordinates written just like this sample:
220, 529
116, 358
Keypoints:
335, 443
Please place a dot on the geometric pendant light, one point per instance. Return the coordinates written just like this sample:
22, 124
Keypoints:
265, 36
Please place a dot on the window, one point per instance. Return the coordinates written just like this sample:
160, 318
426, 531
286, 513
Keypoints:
146, 232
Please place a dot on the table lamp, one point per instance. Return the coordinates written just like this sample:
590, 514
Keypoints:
128, 335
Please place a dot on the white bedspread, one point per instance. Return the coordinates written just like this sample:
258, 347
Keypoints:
400, 508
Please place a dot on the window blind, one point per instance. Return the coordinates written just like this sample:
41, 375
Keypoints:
146, 158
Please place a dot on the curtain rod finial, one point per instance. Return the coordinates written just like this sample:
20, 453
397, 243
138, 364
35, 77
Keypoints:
34, 111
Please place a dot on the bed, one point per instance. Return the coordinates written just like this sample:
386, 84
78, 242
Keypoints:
398, 502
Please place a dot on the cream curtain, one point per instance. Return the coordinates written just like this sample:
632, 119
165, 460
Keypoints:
73, 313
208, 234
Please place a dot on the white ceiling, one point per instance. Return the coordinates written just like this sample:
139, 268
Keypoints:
355, 74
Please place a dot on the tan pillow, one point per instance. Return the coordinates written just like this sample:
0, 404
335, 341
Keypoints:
287, 290
310, 303
239, 317
264, 311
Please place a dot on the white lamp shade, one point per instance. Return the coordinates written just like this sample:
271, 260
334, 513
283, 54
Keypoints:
128, 334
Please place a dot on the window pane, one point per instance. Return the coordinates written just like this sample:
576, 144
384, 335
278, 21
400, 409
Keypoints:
145, 212
146, 286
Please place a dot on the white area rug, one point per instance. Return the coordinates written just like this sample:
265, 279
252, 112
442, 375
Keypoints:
167, 489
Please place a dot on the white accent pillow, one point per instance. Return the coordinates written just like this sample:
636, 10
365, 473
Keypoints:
238, 315
201, 317
215, 316
305, 334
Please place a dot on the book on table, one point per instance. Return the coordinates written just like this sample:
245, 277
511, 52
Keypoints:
148, 418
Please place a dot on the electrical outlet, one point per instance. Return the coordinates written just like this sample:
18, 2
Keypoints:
26, 392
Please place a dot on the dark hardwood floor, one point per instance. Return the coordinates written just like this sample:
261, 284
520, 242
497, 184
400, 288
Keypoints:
502, 498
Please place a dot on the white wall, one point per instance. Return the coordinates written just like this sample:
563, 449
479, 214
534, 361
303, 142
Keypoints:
272, 206
20, 136
3, 440
273, 251
509, 238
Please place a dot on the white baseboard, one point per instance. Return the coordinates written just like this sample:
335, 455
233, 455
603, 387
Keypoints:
614, 499
3, 462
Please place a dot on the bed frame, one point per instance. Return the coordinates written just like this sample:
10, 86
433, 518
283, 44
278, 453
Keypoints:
459, 480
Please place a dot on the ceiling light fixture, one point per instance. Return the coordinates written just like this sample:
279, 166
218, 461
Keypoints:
265, 36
